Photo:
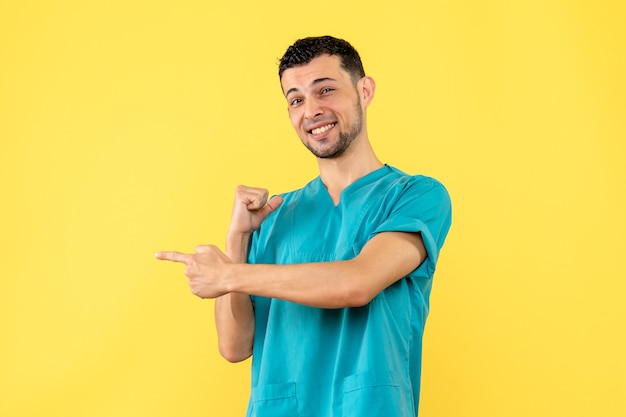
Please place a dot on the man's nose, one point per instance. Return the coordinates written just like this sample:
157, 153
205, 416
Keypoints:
312, 109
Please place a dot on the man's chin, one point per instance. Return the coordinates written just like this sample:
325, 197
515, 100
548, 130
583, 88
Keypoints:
327, 153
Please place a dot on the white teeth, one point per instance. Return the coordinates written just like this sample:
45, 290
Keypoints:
322, 129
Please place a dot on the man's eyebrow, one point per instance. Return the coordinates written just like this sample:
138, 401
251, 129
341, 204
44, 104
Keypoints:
321, 80
313, 83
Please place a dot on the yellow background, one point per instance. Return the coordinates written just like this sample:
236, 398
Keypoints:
126, 125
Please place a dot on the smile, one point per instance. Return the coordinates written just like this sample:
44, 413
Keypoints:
322, 129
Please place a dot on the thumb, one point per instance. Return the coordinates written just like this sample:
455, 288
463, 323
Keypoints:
273, 204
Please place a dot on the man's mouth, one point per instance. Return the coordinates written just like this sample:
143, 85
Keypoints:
321, 129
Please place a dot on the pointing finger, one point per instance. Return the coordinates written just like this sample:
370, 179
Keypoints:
173, 256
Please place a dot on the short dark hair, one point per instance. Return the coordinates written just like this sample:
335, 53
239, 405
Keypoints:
305, 50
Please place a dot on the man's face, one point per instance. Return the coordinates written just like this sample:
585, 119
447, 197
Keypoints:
324, 106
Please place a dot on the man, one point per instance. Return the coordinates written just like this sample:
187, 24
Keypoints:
327, 287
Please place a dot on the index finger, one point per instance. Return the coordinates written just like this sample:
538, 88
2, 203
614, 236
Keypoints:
173, 256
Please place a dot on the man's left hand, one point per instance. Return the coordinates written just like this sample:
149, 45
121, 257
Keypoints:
205, 269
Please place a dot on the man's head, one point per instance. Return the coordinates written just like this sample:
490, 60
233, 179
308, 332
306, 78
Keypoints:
327, 94
305, 50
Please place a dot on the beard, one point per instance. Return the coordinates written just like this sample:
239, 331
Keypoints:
345, 138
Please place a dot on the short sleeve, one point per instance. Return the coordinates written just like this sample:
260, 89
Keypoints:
423, 206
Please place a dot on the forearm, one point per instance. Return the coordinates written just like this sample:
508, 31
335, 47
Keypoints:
234, 320
234, 313
322, 285
351, 283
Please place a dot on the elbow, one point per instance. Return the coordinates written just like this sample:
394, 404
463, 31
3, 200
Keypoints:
357, 287
235, 358
233, 354
358, 297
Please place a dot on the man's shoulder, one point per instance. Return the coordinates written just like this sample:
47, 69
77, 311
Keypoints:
397, 177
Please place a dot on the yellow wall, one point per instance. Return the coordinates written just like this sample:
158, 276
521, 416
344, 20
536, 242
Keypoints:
126, 125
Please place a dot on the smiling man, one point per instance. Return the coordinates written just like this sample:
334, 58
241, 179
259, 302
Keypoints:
334, 94
327, 287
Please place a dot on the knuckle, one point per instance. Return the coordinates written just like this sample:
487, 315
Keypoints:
241, 189
195, 290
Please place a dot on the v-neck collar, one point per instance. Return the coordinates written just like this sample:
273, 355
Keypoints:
354, 186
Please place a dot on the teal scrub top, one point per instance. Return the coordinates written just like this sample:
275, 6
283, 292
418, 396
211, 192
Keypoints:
356, 362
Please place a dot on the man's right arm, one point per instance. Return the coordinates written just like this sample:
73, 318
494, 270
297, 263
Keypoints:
234, 312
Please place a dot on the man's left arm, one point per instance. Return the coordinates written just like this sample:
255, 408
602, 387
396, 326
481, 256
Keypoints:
386, 258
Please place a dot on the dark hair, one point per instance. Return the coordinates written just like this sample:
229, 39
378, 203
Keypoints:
305, 50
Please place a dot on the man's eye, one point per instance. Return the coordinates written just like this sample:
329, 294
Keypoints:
327, 90
295, 101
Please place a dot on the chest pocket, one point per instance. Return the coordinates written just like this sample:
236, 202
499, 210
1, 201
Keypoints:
275, 400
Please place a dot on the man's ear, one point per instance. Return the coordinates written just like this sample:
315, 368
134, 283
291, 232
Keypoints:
366, 88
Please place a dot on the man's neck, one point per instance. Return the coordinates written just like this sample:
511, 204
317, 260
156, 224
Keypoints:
338, 173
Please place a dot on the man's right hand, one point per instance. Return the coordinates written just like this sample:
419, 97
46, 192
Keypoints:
250, 209
234, 314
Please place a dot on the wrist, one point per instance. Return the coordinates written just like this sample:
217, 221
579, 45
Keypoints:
230, 278
234, 232
237, 246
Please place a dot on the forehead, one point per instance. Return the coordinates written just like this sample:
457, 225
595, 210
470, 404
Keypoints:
304, 76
